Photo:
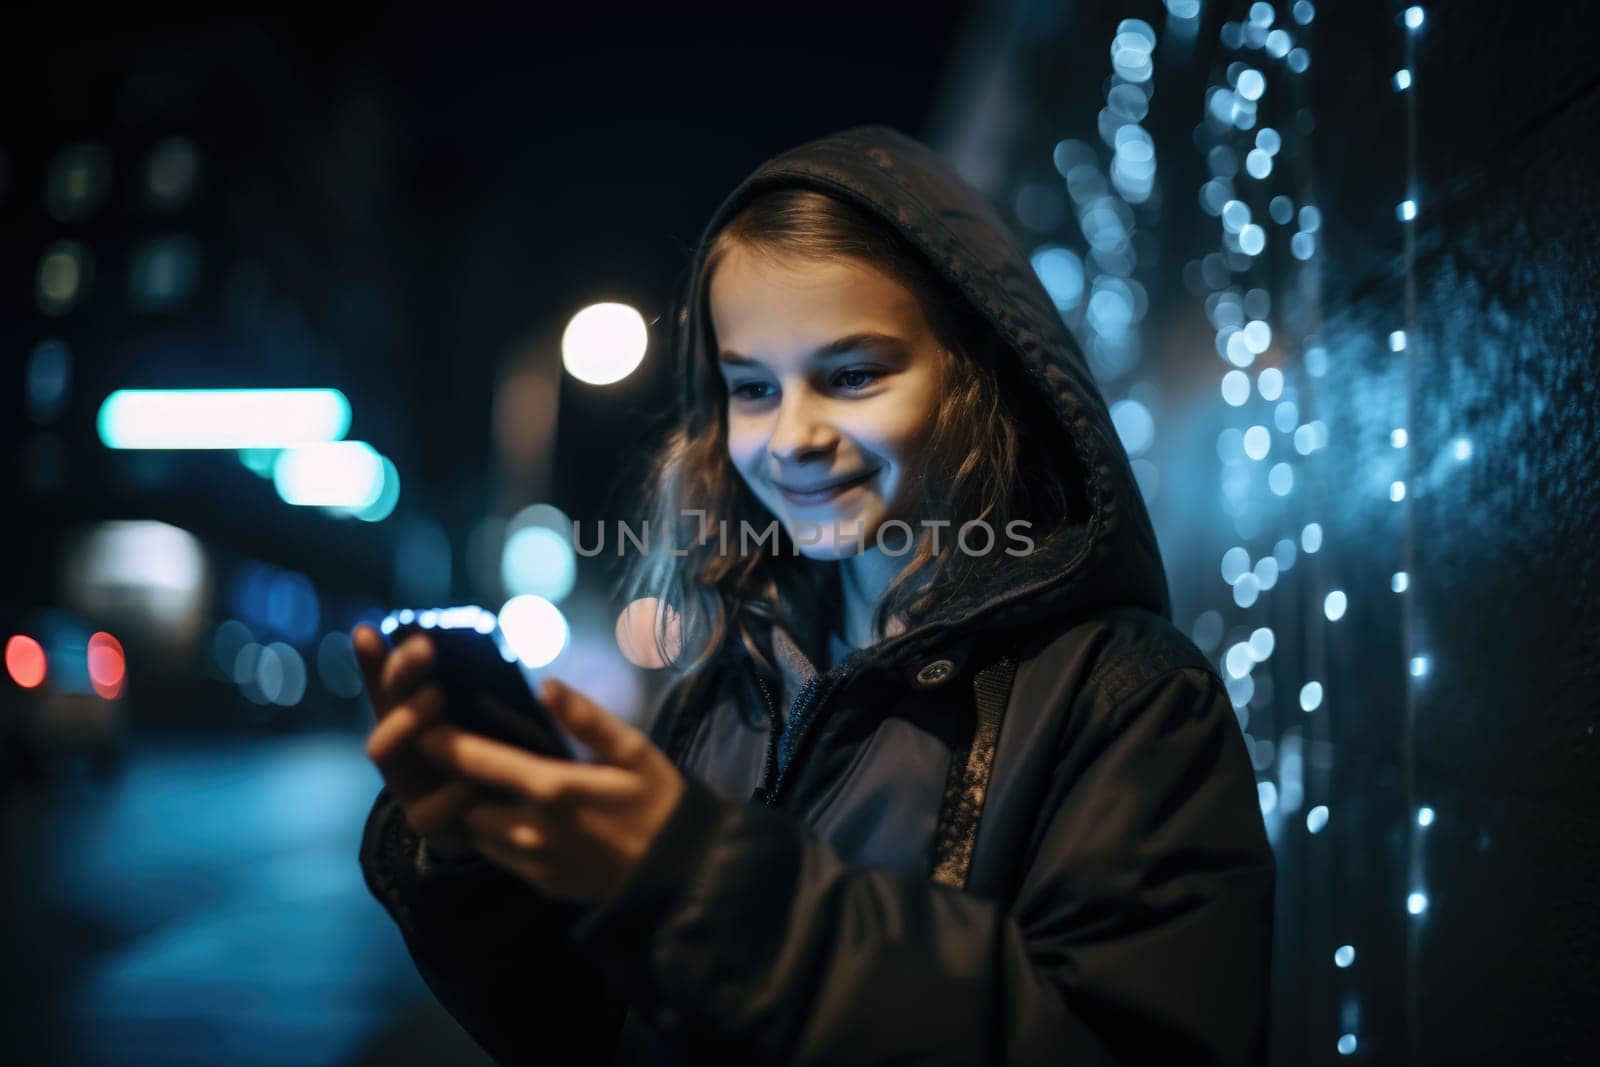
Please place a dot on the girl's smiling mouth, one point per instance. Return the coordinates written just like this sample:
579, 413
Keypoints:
825, 493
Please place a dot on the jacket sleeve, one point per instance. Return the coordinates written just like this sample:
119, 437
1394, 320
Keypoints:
1140, 932
494, 950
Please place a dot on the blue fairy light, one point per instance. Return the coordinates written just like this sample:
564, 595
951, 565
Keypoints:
1257, 442
1252, 240
1238, 349
1397, 341
1414, 17
1284, 552
1406, 210
1425, 816
1258, 163
1419, 666
1270, 383
1347, 1044
1280, 479
1285, 415
1317, 819
1258, 335
1344, 956
1311, 538
1302, 246
1251, 84
1267, 793
1402, 80
1235, 215
1299, 61
1398, 438
1334, 604
1310, 218
1397, 491
1417, 902
1236, 388
1304, 12
1399, 581
1235, 564
1461, 449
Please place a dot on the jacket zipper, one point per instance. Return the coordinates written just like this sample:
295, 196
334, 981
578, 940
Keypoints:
774, 727
801, 715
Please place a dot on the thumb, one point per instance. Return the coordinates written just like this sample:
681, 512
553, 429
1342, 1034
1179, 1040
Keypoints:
608, 737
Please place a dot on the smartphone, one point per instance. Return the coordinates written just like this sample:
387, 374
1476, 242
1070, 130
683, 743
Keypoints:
485, 689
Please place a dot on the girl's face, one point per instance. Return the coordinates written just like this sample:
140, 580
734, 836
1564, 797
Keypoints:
832, 379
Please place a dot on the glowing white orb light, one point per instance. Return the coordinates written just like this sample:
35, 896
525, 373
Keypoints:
534, 629
604, 343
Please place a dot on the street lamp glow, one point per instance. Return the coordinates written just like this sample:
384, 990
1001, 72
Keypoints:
604, 343
338, 474
222, 418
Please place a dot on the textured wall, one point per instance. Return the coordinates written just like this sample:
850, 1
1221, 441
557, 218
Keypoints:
1498, 141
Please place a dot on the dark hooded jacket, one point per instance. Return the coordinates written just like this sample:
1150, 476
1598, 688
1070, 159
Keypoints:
1112, 885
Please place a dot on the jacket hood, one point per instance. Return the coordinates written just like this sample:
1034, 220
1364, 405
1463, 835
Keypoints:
1111, 557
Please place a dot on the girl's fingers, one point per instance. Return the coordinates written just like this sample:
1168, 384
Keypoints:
514, 824
396, 729
541, 779
407, 667
370, 652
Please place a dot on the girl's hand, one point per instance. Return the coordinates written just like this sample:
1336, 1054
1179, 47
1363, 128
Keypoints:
574, 830
433, 798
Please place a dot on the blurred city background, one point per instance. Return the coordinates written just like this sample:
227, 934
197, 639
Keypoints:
309, 319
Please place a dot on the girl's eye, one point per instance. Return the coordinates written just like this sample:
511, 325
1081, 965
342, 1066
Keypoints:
739, 391
857, 378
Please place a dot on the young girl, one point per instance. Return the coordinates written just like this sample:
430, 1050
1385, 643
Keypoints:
938, 780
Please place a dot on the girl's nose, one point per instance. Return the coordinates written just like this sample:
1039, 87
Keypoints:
802, 429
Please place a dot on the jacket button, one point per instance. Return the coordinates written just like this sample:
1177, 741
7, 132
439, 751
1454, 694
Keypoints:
935, 672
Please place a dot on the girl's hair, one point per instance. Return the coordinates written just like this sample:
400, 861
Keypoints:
995, 454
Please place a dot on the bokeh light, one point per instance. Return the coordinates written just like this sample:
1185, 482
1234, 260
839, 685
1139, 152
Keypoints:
108, 665
604, 343
25, 661
534, 629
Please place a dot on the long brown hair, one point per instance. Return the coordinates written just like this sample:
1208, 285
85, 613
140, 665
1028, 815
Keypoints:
994, 454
